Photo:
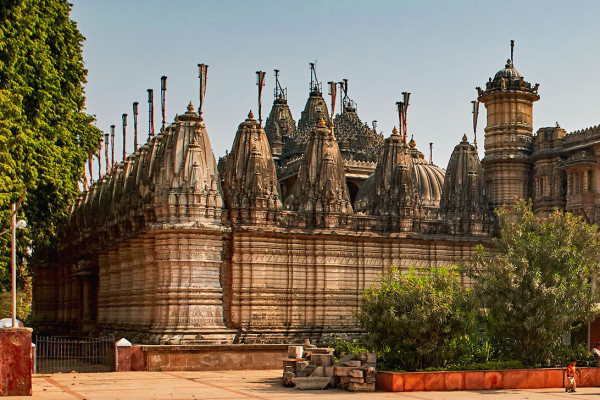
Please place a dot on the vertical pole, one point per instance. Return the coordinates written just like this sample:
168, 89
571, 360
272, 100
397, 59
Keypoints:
99, 155
13, 228
430, 153
107, 165
202, 72
512, 49
405, 109
333, 93
150, 113
124, 135
163, 90
112, 145
90, 166
260, 82
135, 116
341, 85
400, 106
475, 116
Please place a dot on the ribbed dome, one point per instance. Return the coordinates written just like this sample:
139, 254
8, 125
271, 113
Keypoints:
429, 181
509, 72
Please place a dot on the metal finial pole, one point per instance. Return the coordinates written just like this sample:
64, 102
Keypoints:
163, 90
400, 106
150, 113
203, 71
107, 163
314, 81
260, 82
112, 145
135, 117
512, 48
345, 99
276, 84
430, 153
124, 135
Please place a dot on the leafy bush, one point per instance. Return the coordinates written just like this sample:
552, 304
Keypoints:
414, 318
343, 345
561, 355
537, 282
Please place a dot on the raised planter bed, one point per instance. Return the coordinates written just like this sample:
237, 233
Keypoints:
482, 380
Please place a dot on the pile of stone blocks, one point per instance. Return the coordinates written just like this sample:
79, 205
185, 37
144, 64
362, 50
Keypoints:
356, 372
311, 367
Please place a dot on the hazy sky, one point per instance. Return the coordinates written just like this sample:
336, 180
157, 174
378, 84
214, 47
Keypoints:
437, 50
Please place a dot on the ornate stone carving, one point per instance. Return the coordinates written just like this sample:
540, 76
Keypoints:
280, 125
321, 195
250, 180
391, 191
464, 207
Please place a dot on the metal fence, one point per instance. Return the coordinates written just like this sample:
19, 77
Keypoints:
61, 354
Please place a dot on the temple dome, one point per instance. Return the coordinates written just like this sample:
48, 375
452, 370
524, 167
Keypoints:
429, 182
508, 72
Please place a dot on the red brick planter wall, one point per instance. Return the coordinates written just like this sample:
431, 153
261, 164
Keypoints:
481, 380
15, 362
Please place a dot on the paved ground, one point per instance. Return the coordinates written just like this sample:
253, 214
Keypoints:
264, 385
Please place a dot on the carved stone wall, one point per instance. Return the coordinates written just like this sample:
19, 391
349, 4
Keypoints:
300, 285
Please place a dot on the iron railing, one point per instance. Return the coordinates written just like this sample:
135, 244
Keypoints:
63, 354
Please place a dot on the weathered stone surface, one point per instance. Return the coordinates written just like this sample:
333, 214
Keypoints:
361, 387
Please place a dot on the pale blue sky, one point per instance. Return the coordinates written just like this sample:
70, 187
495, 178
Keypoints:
437, 50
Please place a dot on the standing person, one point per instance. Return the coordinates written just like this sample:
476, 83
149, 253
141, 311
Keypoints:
596, 353
571, 384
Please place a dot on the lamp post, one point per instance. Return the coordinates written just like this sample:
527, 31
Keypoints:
14, 225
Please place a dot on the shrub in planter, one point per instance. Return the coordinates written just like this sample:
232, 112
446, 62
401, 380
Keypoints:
412, 318
537, 282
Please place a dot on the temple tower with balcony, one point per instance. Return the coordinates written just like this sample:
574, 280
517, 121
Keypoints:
509, 100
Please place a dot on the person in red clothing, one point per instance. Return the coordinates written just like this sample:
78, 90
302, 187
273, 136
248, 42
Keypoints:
571, 385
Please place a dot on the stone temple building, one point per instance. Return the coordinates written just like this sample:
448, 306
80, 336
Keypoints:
277, 240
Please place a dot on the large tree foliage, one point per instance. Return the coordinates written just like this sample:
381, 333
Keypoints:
45, 136
413, 318
537, 282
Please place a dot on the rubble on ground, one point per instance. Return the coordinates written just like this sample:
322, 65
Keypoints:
312, 367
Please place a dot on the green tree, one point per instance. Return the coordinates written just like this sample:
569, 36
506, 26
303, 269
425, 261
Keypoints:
45, 135
536, 283
413, 318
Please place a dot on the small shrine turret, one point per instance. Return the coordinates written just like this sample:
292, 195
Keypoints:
250, 181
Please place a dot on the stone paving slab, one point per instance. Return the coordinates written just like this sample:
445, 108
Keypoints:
229, 385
